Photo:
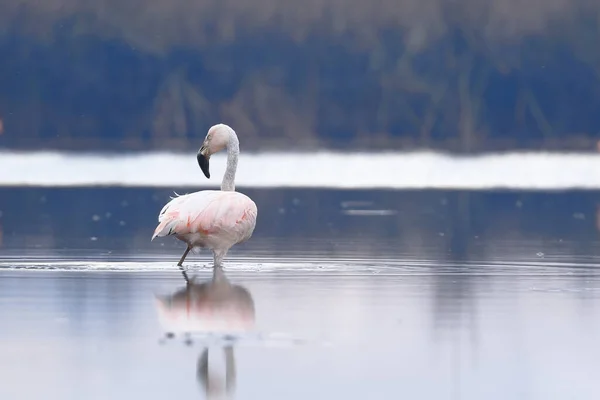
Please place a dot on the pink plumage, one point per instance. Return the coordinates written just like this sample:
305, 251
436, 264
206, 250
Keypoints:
210, 218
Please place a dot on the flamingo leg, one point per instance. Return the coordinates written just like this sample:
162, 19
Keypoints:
218, 257
180, 264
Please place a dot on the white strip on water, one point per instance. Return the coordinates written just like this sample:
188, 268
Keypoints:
416, 170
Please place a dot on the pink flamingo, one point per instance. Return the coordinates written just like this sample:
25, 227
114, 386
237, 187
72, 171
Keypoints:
214, 219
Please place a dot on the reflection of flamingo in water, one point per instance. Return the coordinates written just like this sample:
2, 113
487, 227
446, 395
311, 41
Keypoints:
215, 306
215, 219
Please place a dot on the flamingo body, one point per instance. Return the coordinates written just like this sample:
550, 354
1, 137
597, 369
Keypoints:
211, 219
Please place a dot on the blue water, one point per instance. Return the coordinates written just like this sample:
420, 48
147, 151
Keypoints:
347, 294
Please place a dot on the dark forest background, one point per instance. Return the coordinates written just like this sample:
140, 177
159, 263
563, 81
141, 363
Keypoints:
459, 75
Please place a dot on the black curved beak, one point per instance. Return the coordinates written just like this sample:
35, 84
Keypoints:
203, 163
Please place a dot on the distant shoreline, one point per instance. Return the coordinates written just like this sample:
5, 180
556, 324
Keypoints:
324, 169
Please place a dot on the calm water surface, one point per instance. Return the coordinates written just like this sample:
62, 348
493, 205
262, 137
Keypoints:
340, 294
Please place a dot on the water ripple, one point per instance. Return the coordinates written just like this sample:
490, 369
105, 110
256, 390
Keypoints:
314, 265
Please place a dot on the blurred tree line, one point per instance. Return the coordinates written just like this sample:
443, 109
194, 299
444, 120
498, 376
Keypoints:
461, 75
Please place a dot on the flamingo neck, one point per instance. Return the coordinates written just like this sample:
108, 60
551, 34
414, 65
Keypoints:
233, 152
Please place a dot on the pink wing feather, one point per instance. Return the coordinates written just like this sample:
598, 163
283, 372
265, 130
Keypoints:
208, 212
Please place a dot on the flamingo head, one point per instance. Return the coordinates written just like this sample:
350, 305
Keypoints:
216, 140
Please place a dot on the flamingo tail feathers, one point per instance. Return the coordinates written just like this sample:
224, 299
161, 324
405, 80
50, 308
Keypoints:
165, 228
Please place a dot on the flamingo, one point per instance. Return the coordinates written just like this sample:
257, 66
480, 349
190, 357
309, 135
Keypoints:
213, 219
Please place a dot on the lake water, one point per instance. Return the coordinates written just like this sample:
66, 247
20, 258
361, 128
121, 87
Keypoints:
349, 294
